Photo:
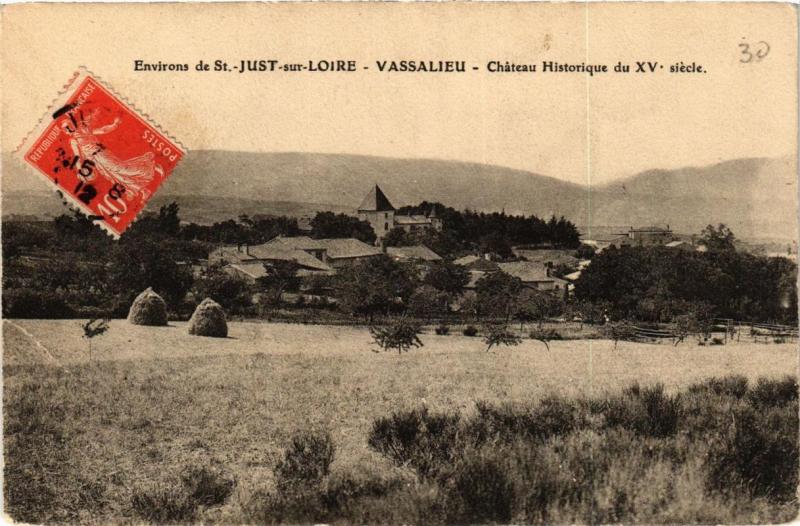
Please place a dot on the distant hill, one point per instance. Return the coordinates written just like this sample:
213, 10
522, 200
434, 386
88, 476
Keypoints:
756, 197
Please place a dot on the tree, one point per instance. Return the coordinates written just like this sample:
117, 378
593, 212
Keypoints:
717, 239
400, 333
138, 263
373, 286
496, 243
585, 252
535, 307
93, 328
617, 331
330, 225
545, 335
498, 334
426, 302
232, 292
497, 294
395, 237
281, 277
447, 277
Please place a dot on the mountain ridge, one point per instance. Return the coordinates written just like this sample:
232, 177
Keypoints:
755, 196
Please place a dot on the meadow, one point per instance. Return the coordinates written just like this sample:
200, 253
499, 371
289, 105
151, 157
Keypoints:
104, 436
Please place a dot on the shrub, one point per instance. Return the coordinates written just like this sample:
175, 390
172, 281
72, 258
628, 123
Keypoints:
732, 385
400, 333
163, 504
552, 416
717, 341
206, 486
442, 330
647, 411
27, 303
342, 497
774, 393
758, 451
342, 491
470, 330
306, 462
480, 490
424, 441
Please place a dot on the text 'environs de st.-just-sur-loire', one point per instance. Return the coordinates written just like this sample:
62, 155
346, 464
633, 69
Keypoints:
419, 66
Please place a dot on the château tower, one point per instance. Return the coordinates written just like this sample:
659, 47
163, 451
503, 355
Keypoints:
377, 211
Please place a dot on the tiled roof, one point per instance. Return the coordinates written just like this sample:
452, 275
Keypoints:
477, 263
348, 248
412, 220
527, 271
301, 257
375, 201
414, 252
466, 260
335, 248
301, 242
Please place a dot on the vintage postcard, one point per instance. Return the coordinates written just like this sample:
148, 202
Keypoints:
399, 263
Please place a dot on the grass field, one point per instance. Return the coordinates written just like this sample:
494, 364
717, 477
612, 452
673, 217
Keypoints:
153, 401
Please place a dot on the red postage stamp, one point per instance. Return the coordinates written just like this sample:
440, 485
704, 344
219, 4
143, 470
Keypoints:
102, 155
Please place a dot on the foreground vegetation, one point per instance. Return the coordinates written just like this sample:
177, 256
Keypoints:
289, 423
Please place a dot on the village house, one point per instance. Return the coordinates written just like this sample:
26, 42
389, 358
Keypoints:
377, 210
313, 256
533, 275
415, 253
634, 237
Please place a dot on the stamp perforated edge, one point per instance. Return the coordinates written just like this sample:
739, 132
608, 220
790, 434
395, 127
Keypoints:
60, 99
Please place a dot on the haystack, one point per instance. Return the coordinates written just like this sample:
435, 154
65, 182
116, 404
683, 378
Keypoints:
148, 309
208, 320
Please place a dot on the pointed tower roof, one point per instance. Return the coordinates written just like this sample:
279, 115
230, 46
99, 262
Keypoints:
375, 201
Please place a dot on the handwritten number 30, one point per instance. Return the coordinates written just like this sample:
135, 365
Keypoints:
759, 51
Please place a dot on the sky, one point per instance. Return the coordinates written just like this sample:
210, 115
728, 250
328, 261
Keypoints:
587, 130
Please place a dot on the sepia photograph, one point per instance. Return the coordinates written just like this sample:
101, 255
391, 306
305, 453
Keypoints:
399, 263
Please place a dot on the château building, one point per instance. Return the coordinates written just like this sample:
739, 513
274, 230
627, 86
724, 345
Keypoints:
377, 210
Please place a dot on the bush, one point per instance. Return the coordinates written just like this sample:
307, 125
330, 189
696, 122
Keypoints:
28, 303
306, 462
206, 486
442, 330
759, 451
164, 504
774, 393
470, 330
552, 416
732, 385
480, 490
647, 411
424, 441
